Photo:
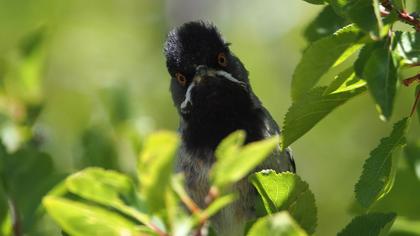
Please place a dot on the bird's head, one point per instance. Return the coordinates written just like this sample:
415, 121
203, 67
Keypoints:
207, 77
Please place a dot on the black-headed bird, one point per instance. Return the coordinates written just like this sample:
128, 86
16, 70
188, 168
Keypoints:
211, 91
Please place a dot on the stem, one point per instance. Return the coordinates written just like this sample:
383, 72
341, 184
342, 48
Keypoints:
407, 82
212, 195
413, 109
157, 230
17, 227
190, 204
403, 15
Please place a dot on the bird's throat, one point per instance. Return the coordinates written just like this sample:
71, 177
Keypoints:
206, 131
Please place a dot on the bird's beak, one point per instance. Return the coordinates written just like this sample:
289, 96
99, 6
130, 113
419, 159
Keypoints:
202, 72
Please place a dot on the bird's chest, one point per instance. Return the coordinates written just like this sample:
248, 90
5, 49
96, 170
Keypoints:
231, 219
196, 167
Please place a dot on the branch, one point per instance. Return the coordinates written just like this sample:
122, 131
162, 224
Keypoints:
407, 82
403, 15
17, 227
212, 195
413, 109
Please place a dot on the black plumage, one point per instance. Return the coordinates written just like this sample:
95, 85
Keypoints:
211, 91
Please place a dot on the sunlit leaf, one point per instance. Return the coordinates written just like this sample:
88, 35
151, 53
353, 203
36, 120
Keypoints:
379, 169
345, 81
373, 224
155, 166
321, 56
305, 113
245, 159
106, 187
216, 206
80, 219
280, 223
286, 191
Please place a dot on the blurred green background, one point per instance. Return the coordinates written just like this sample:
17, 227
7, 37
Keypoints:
85, 81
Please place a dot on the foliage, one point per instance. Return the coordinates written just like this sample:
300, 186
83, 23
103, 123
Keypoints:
384, 54
353, 46
286, 191
103, 197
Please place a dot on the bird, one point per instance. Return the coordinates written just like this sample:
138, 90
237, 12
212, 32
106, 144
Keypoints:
213, 96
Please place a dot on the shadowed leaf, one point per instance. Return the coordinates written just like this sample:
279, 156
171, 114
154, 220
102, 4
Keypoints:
374, 224
379, 169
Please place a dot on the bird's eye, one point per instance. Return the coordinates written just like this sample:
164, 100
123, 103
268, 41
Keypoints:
181, 79
222, 60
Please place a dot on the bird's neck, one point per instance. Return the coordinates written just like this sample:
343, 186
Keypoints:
205, 132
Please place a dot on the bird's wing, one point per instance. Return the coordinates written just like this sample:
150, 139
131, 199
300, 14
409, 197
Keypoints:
273, 129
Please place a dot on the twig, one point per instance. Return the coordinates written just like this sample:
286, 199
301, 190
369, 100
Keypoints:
17, 228
413, 109
190, 204
410, 65
212, 195
157, 230
407, 82
403, 15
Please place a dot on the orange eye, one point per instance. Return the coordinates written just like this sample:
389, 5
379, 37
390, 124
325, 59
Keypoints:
222, 60
181, 79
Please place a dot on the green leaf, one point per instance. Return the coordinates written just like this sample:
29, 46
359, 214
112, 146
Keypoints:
21, 166
244, 159
402, 198
374, 224
326, 23
80, 219
364, 13
286, 191
323, 55
109, 188
230, 145
408, 46
277, 224
305, 113
345, 81
155, 166
364, 55
103, 186
216, 206
379, 169
380, 73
